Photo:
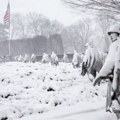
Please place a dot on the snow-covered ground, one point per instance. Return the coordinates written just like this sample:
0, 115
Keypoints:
35, 91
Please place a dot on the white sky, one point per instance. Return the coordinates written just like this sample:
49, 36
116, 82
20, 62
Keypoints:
53, 9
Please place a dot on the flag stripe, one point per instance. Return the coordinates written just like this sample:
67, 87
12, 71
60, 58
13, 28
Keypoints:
7, 15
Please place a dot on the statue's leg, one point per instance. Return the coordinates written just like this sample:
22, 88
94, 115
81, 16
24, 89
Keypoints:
108, 97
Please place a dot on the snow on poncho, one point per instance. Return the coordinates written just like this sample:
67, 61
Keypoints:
54, 57
45, 58
89, 57
92, 54
76, 58
33, 57
110, 60
101, 56
116, 79
82, 56
26, 58
20, 58
65, 58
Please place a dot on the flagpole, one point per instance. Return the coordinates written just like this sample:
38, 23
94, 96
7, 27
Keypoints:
9, 42
9, 33
7, 24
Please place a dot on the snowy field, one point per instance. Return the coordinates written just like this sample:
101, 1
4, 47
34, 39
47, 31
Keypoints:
35, 91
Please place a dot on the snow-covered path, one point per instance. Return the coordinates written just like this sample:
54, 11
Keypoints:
74, 113
35, 91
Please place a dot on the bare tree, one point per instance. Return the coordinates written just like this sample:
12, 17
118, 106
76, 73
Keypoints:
67, 40
78, 34
56, 27
104, 21
3, 33
51, 27
40, 25
83, 31
111, 6
34, 22
18, 26
106, 11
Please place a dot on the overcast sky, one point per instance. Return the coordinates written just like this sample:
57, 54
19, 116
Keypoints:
53, 9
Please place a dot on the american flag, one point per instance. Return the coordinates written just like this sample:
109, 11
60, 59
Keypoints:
7, 16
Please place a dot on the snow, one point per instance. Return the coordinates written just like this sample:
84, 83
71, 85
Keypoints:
30, 91
73, 113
